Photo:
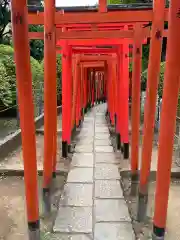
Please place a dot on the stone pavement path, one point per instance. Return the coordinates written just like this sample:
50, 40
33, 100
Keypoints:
92, 205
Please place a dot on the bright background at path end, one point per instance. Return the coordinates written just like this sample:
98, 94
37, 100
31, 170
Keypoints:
69, 3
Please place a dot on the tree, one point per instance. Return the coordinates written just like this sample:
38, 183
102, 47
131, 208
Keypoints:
5, 19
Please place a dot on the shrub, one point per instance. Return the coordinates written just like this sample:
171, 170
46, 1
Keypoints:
58, 77
8, 73
37, 84
161, 82
5, 87
6, 49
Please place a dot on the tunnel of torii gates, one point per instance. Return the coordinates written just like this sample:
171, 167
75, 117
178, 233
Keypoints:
95, 60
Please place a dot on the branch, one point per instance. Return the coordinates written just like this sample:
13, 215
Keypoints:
5, 33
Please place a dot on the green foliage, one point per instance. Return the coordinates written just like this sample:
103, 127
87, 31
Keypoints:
58, 77
114, 1
37, 83
161, 82
8, 79
161, 79
5, 87
36, 46
5, 17
121, 1
145, 56
8, 76
5, 49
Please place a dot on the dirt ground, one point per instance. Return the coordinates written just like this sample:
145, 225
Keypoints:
13, 222
13, 211
143, 230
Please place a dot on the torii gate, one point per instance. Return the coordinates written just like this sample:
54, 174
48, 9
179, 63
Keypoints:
69, 39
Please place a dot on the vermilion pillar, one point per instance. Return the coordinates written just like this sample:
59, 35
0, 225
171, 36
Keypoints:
66, 97
26, 109
93, 87
74, 87
50, 102
135, 116
81, 108
109, 90
124, 88
85, 89
168, 121
150, 104
118, 117
113, 90
78, 101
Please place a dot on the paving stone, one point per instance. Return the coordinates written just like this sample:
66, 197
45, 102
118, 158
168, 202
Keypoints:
100, 113
72, 237
88, 128
106, 171
100, 120
102, 142
106, 158
111, 210
82, 160
114, 231
86, 134
76, 194
101, 130
85, 141
108, 189
84, 148
80, 175
73, 220
99, 123
104, 149
102, 136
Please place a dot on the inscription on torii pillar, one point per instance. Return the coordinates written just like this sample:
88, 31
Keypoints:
17, 18
178, 13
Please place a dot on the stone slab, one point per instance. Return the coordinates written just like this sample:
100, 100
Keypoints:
100, 124
80, 175
101, 130
84, 148
76, 194
111, 210
84, 142
114, 231
106, 171
108, 189
86, 139
86, 134
104, 149
72, 237
88, 129
73, 220
100, 120
82, 160
102, 142
100, 136
106, 158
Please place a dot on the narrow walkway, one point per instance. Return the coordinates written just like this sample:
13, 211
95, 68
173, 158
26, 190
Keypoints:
92, 205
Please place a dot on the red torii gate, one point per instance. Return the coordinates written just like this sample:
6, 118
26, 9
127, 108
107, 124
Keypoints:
50, 18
